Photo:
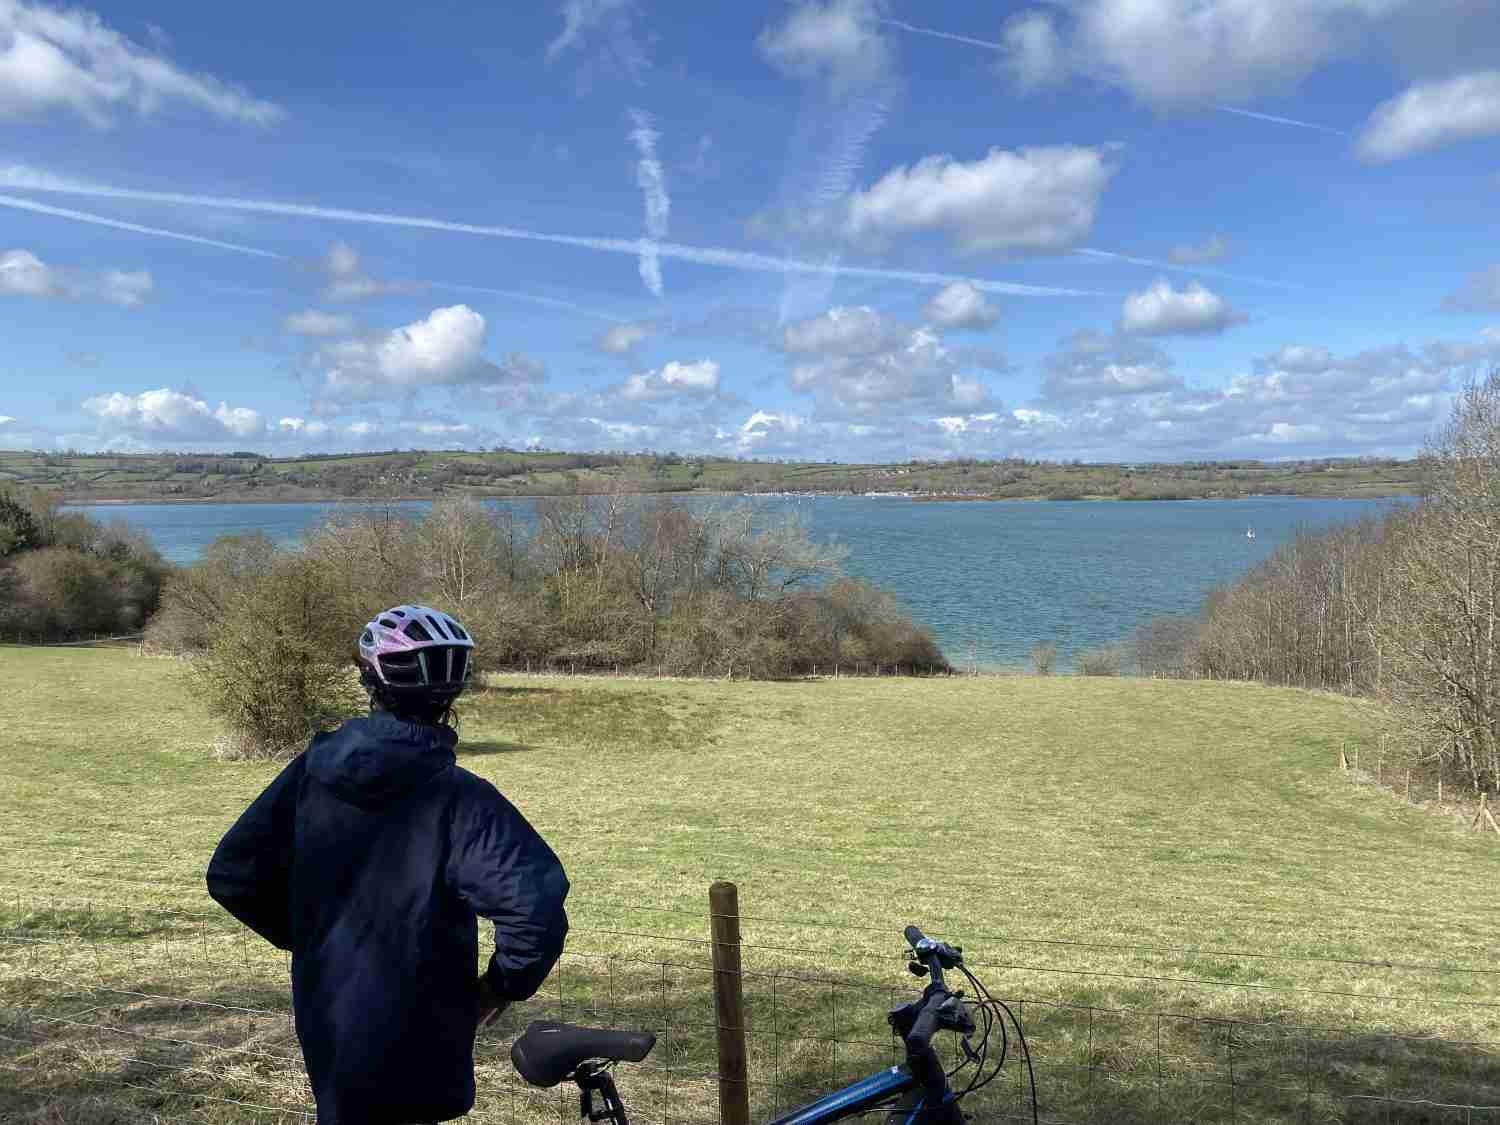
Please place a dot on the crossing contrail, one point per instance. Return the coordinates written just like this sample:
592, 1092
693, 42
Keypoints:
1280, 120
550, 302
991, 45
699, 255
100, 220
1110, 255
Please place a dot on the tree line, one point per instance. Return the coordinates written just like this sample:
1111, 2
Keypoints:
594, 583
1405, 609
64, 576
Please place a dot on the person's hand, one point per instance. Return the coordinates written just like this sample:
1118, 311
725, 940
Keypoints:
490, 1005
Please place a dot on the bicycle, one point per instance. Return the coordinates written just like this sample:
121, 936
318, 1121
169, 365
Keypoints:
917, 1092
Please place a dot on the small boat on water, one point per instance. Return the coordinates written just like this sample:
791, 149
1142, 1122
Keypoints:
1249, 533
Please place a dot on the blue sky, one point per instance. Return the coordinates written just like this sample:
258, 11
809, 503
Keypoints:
853, 229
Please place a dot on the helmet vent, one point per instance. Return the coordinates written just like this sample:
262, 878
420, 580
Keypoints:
437, 625
457, 630
367, 638
416, 631
388, 623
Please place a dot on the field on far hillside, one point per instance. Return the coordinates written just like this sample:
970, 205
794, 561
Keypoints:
1200, 917
80, 478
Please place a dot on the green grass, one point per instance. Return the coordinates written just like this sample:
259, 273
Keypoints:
1005, 814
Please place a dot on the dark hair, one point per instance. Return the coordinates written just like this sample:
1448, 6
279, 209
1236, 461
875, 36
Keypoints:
412, 704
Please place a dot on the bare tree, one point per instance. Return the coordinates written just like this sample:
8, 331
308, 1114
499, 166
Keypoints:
1444, 644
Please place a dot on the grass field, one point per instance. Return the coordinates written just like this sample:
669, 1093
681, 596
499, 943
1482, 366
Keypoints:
1173, 877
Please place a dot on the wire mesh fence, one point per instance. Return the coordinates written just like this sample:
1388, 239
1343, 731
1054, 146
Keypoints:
120, 1013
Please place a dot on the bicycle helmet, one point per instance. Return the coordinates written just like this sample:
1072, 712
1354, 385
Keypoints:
415, 660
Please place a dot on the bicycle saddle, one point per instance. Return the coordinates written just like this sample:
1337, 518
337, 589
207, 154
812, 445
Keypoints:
548, 1051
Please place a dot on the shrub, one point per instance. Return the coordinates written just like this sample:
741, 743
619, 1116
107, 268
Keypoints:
278, 669
1099, 662
1164, 646
1044, 659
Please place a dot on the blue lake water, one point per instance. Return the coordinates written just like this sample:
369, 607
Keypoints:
990, 579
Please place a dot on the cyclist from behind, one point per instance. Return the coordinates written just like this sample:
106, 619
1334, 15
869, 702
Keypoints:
369, 858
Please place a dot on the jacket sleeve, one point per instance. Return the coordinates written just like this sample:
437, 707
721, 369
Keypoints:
506, 873
250, 873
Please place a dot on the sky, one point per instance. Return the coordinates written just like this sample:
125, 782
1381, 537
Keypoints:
857, 230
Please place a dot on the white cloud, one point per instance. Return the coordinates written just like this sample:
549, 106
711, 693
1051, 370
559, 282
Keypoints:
126, 289
918, 369
1480, 293
959, 306
1304, 359
348, 281
303, 427
65, 59
23, 273
164, 415
834, 41
1176, 53
441, 349
766, 433
622, 339
313, 322
603, 32
1161, 310
652, 179
1216, 248
1031, 200
1034, 55
1093, 365
673, 380
1432, 114
857, 330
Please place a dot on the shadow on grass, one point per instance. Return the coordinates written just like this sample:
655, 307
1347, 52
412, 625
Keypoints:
492, 746
78, 1054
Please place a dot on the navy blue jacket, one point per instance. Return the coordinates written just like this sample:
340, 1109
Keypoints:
369, 858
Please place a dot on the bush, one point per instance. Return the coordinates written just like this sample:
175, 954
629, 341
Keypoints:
1164, 646
1099, 662
278, 669
1044, 659
64, 577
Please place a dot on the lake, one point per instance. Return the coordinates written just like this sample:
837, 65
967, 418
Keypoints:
989, 578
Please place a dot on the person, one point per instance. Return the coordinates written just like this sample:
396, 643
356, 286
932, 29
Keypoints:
370, 858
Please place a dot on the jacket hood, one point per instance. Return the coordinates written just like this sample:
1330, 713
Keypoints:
378, 759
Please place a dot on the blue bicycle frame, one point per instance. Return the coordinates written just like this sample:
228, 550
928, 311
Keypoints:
862, 1096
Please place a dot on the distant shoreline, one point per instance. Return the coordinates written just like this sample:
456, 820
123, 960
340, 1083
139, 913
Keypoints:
371, 502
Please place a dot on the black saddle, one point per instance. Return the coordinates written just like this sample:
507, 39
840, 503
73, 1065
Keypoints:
547, 1051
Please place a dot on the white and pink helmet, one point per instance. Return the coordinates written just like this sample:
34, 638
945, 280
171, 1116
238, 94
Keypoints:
415, 653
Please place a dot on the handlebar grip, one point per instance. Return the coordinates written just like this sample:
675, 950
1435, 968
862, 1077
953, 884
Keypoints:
914, 936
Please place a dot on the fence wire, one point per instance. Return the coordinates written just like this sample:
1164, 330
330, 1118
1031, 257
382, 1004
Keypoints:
123, 1015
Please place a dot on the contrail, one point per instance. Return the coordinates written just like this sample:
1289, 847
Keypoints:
993, 46
1280, 120
552, 302
945, 35
1088, 252
85, 217
653, 182
698, 255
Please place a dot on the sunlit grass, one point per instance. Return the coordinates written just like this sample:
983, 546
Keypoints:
1200, 824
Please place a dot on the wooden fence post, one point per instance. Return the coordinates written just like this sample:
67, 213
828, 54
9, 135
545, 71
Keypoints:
729, 1004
